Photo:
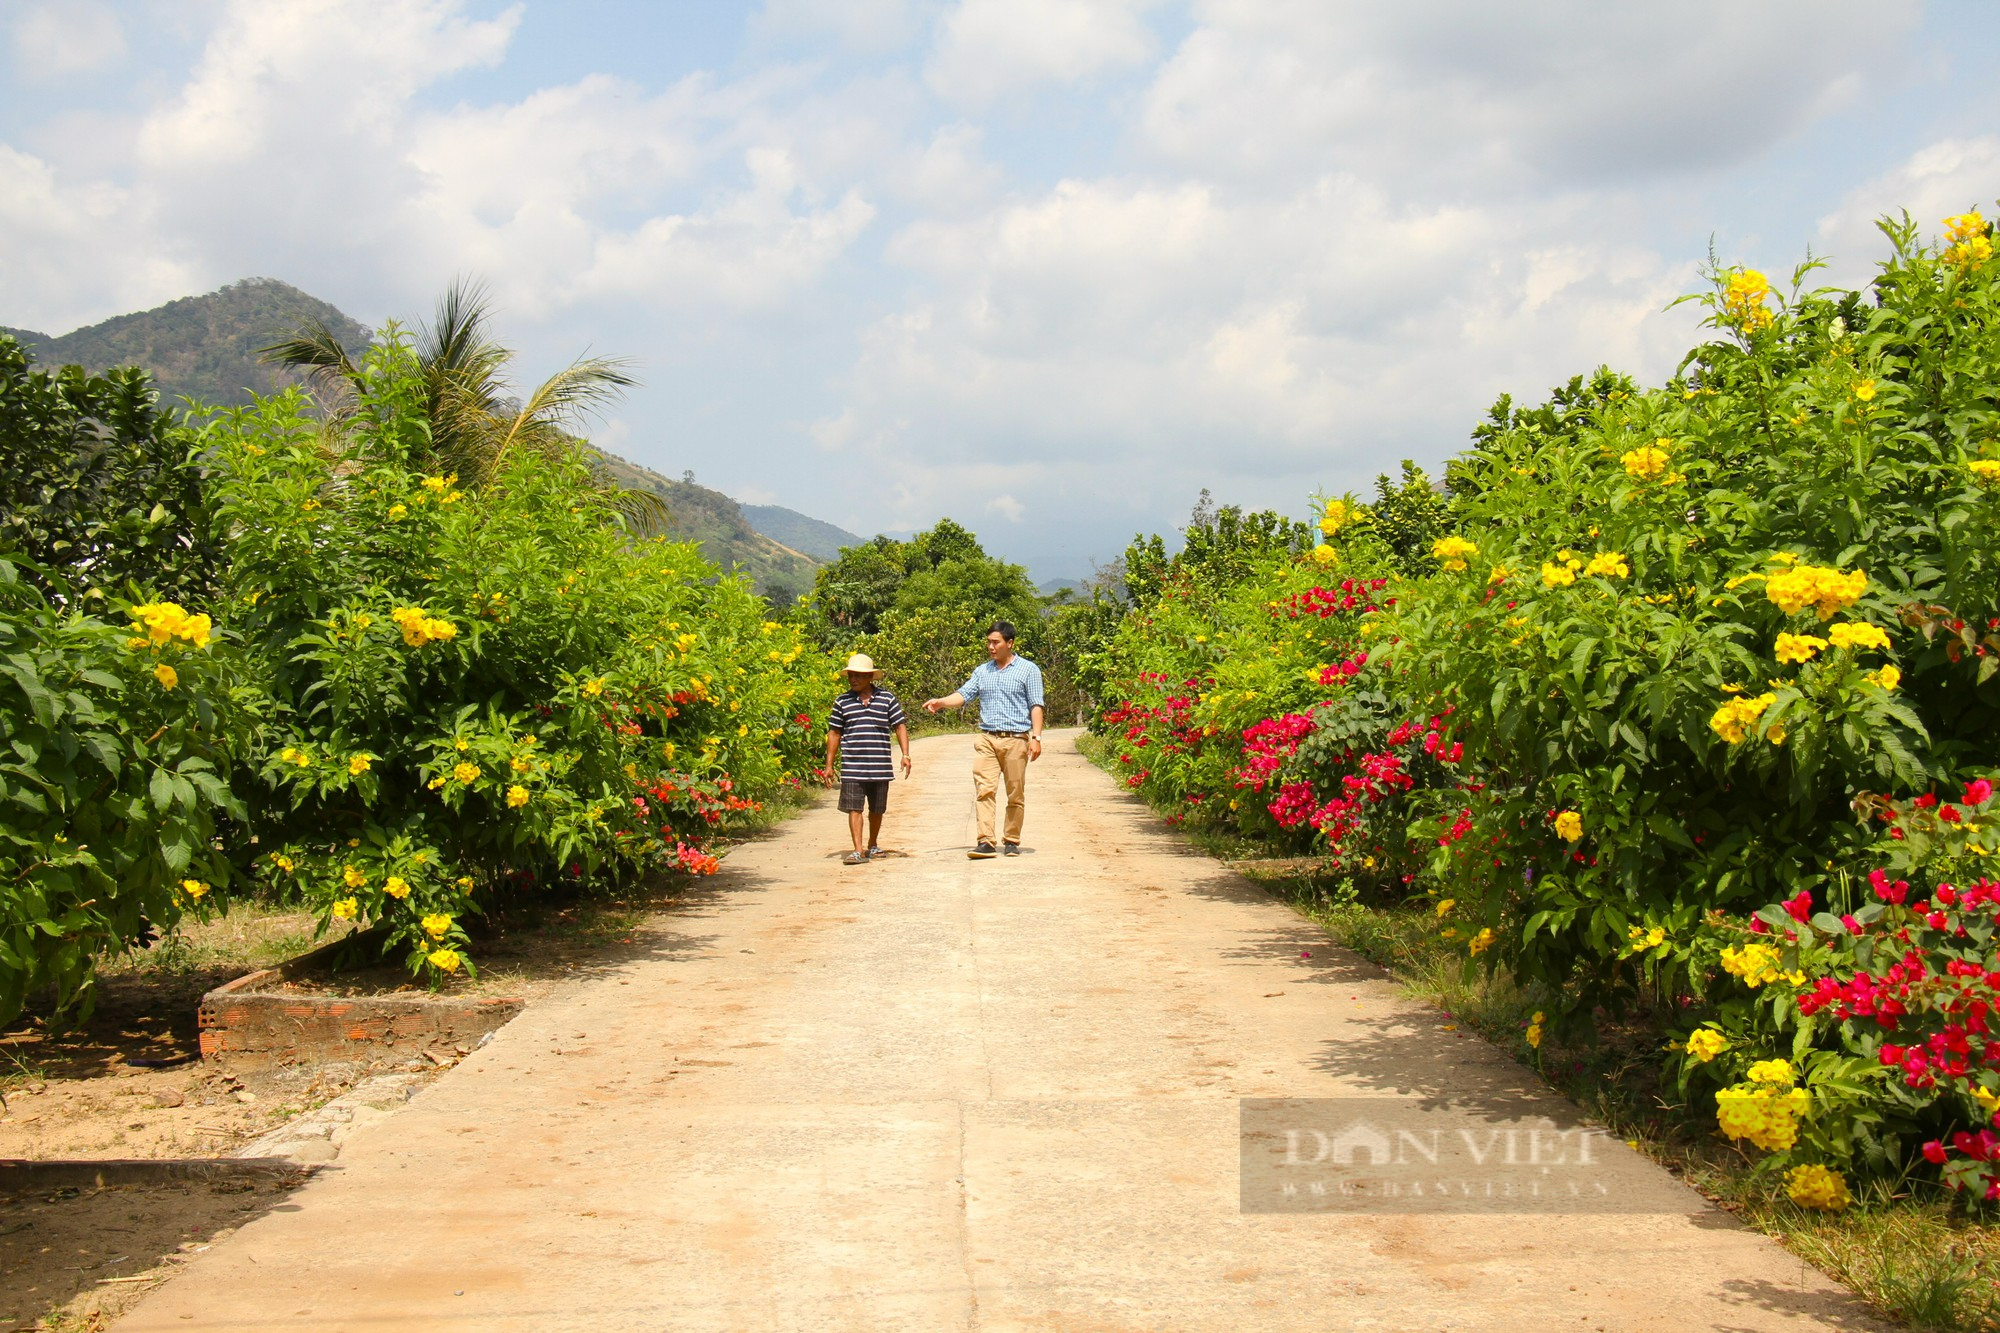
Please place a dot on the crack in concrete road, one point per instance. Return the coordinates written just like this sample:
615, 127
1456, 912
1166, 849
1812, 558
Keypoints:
935, 1094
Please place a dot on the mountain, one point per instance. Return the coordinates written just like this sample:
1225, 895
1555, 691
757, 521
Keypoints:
201, 347
726, 536
788, 527
206, 348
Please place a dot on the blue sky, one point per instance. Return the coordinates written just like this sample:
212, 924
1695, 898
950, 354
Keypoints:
1047, 266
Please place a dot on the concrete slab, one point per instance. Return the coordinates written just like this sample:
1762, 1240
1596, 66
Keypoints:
936, 1094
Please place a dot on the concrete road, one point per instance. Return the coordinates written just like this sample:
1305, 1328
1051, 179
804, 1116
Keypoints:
935, 1094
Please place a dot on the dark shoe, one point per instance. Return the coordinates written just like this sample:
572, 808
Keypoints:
855, 859
981, 852
1011, 848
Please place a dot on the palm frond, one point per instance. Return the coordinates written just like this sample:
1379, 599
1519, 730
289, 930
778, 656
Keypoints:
580, 390
645, 512
462, 369
315, 349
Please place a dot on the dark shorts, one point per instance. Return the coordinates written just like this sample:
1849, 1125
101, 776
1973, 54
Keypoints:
873, 795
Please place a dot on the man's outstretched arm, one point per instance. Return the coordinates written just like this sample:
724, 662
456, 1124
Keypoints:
953, 700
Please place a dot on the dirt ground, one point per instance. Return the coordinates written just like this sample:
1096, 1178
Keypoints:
72, 1259
129, 1083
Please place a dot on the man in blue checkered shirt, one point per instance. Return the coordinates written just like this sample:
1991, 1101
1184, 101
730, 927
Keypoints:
1009, 690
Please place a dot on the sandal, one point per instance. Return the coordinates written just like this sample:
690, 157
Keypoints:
855, 859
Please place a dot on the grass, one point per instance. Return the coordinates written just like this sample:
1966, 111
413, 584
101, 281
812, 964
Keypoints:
1905, 1247
251, 935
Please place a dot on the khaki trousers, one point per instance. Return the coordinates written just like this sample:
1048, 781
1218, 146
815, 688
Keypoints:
995, 757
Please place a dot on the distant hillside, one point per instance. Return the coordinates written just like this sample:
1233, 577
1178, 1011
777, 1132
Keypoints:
204, 347
726, 536
788, 527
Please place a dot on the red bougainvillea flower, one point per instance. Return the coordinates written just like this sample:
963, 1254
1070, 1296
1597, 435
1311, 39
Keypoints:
1978, 792
1887, 892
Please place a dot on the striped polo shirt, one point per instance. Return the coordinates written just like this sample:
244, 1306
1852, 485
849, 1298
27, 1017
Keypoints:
865, 729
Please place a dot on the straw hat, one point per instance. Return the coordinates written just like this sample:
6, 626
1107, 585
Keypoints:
862, 663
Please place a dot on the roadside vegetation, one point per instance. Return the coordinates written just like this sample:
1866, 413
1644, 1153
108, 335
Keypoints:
391, 652
1658, 743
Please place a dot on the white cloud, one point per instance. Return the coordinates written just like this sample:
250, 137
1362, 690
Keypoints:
751, 251
301, 137
1007, 507
1446, 90
1115, 339
70, 253
1942, 179
315, 74
54, 41
868, 26
988, 48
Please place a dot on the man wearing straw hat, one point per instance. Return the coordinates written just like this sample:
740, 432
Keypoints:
857, 734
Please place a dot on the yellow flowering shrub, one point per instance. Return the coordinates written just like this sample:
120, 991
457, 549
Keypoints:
1704, 1044
1453, 553
1608, 565
1842, 466
1814, 1186
1798, 647
496, 682
1646, 463
1971, 238
1755, 964
1734, 718
1852, 634
1743, 300
419, 629
121, 735
1825, 590
1765, 1115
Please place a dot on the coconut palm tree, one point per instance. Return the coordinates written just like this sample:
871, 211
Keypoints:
476, 424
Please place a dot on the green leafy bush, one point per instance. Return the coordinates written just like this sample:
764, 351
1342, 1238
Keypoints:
389, 693
97, 494
117, 743
471, 687
1633, 677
